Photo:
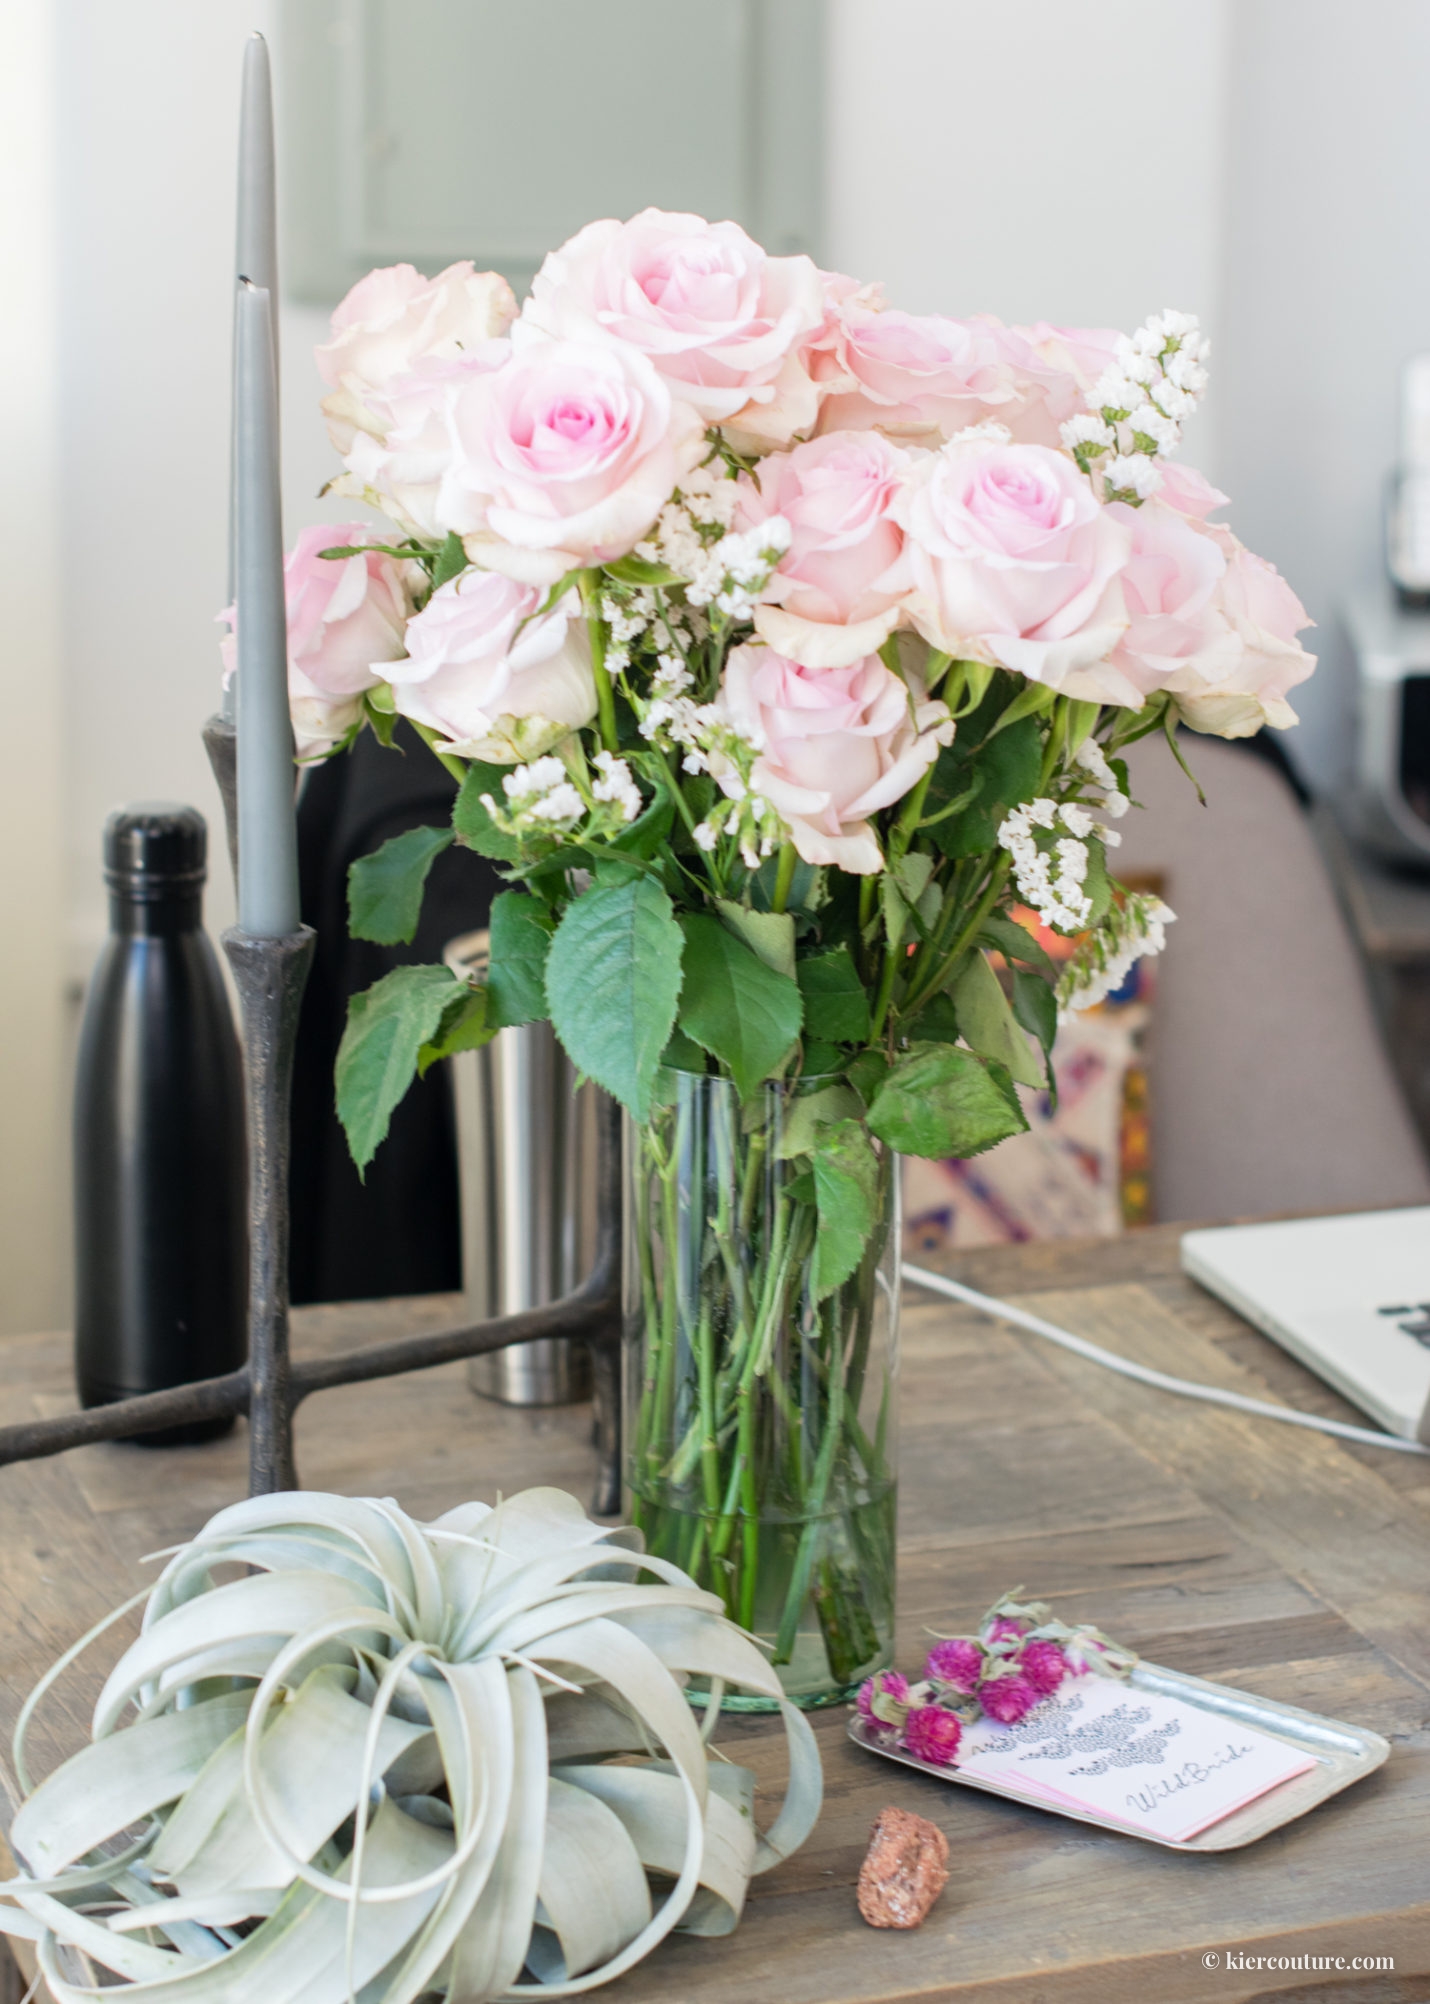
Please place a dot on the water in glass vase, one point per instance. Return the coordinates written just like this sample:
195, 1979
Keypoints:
761, 1373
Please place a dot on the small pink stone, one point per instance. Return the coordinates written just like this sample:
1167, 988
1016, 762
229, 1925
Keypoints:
1044, 1665
958, 1662
932, 1734
1008, 1699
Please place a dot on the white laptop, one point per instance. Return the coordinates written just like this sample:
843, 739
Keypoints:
1349, 1296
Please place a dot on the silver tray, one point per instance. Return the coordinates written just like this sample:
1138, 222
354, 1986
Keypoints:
1343, 1754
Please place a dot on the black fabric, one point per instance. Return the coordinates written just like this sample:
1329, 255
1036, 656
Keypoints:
398, 1232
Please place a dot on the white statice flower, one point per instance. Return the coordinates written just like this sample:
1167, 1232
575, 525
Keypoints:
706, 835
616, 785
1131, 476
1094, 762
1101, 963
1087, 429
1140, 400
1057, 895
540, 797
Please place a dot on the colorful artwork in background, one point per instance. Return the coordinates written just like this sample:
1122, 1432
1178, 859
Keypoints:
1084, 1168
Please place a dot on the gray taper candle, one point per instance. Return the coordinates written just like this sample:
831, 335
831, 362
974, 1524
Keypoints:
255, 246
267, 824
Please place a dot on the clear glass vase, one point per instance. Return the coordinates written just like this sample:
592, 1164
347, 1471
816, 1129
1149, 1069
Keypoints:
761, 1428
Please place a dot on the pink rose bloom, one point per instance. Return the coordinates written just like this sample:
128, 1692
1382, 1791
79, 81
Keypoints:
402, 465
957, 1663
491, 690
1008, 1699
716, 317
1044, 1665
838, 744
1263, 615
1015, 561
1051, 370
392, 320
346, 621
916, 376
1188, 491
563, 458
932, 1734
839, 588
1169, 584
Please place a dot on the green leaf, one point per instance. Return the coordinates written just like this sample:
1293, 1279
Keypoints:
377, 1060
520, 942
820, 1059
811, 1113
846, 1182
1097, 884
940, 1101
866, 1074
683, 1054
385, 889
451, 561
1006, 768
936, 1022
739, 1009
613, 979
768, 934
987, 1022
381, 714
1081, 717
465, 1026
1035, 1006
1014, 942
1031, 700
836, 1006
474, 825
649, 833
639, 571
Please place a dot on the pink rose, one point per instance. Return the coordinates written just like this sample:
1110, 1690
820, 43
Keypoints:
496, 688
1263, 615
839, 588
563, 458
716, 316
1169, 584
400, 467
1050, 370
837, 745
916, 376
1015, 561
395, 318
346, 621
1188, 491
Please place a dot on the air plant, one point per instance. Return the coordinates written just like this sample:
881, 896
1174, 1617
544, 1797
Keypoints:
355, 1757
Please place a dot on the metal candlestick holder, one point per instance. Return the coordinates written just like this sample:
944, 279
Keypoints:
270, 975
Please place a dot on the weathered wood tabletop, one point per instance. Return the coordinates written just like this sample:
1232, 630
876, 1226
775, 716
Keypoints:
1262, 1556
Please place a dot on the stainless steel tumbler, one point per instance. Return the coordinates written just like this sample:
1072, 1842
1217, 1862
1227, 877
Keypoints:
526, 1140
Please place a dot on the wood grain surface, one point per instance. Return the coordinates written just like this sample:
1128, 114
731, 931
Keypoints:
1265, 1557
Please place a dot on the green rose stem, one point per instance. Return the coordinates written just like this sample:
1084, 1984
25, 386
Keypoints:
596, 628
784, 876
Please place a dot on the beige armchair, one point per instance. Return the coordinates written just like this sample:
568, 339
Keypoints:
1271, 1089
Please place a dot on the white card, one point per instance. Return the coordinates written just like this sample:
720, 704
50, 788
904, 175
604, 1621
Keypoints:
1152, 1762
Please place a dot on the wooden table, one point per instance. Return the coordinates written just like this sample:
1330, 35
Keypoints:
1267, 1557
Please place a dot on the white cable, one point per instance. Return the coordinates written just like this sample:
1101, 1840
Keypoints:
1212, 1394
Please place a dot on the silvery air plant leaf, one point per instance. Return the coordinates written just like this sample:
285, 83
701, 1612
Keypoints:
392, 1760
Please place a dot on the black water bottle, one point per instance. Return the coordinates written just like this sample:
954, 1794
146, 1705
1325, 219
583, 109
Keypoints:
159, 1163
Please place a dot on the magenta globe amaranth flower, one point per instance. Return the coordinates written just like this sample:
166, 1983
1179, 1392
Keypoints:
1003, 1627
1044, 1665
958, 1662
932, 1734
884, 1697
1008, 1699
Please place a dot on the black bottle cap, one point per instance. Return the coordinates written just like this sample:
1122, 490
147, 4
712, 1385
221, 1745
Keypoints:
155, 848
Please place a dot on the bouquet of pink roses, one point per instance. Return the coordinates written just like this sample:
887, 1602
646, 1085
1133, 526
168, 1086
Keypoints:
784, 645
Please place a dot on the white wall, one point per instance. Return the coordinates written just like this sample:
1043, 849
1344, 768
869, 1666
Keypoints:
32, 889
1055, 160
1326, 292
